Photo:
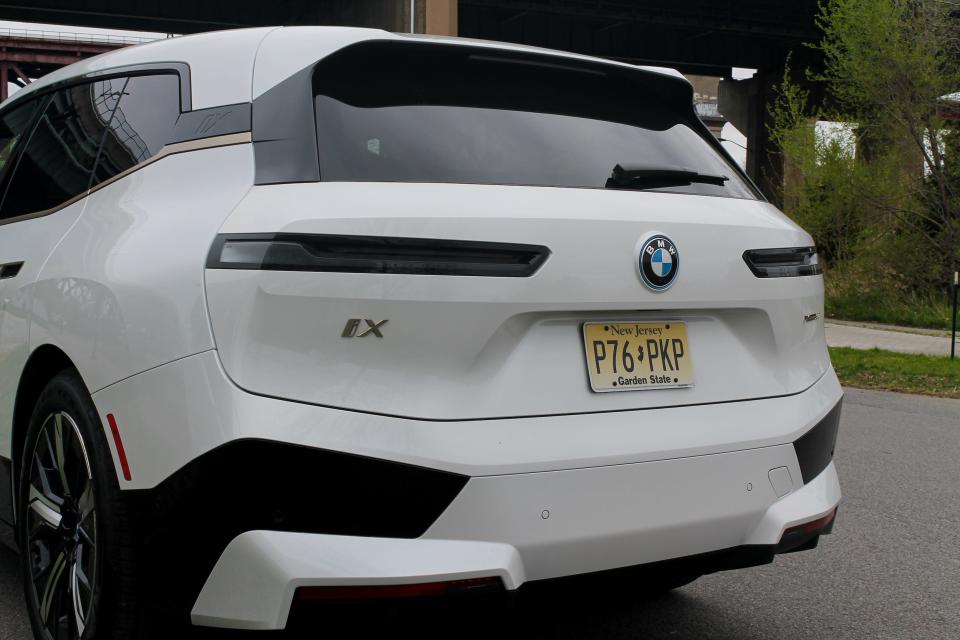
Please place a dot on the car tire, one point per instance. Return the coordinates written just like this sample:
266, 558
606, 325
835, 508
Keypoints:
77, 552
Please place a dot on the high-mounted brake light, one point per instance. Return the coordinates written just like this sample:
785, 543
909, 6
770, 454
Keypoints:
783, 263
383, 591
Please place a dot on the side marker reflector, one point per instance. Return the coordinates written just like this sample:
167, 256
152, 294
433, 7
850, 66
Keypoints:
121, 454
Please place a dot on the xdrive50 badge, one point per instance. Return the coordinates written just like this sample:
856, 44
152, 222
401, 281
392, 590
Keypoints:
659, 262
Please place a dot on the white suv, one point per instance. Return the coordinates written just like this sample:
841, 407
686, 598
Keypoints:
302, 314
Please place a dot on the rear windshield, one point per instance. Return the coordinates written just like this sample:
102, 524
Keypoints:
416, 112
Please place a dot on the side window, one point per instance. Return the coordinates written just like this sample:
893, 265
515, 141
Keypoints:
13, 126
142, 124
58, 159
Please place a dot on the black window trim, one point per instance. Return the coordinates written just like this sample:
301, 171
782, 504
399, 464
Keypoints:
181, 69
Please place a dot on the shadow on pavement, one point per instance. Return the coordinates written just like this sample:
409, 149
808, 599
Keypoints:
566, 609
13, 617
563, 610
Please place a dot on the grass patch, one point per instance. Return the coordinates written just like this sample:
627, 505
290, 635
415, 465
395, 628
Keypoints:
876, 369
903, 309
854, 291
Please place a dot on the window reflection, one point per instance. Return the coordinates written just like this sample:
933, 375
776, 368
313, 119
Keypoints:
59, 157
142, 123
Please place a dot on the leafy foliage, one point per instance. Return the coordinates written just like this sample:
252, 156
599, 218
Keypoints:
885, 198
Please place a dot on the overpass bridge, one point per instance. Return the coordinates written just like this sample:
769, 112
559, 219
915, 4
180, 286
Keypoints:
27, 54
707, 37
698, 36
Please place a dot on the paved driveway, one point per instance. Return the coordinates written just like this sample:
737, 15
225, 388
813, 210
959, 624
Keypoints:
892, 569
905, 340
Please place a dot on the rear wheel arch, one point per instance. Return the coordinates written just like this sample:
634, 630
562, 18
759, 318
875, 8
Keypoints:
42, 366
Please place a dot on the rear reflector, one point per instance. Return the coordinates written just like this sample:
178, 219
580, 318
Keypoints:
386, 591
118, 442
814, 526
374, 254
798, 535
783, 263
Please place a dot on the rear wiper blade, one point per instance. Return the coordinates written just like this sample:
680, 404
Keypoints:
628, 176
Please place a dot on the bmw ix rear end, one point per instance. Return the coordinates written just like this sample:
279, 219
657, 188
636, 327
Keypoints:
484, 315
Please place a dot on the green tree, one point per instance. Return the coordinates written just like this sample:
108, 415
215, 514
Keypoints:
888, 67
823, 178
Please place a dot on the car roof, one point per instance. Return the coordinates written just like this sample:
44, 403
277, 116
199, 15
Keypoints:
222, 63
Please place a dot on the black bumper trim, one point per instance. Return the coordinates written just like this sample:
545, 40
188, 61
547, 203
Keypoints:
729, 559
815, 448
183, 525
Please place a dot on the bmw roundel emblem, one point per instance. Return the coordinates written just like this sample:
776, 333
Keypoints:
659, 262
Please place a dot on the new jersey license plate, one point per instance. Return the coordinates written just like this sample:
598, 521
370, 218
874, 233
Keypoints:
631, 356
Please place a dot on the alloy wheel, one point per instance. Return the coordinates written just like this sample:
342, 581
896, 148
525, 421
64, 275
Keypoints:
61, 529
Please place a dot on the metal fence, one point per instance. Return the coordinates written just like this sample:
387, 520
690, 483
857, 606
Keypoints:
68, 37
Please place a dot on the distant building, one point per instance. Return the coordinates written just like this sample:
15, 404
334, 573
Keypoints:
706, 100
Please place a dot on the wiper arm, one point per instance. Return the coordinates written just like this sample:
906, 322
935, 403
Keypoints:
627, 176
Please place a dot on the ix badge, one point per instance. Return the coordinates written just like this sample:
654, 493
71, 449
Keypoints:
353, 324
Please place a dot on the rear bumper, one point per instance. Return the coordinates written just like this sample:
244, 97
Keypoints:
646, 513
315, 492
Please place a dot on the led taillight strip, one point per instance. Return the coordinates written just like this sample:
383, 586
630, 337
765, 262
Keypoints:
375, 254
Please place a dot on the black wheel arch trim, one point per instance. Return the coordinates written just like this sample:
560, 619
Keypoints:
183, 525
6, 492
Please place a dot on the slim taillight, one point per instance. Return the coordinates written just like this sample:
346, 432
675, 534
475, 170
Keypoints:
783, 263
374, 254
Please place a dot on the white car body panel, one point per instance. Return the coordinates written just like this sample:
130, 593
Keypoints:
255, 579
213, 411
142, 282
19, 298
278, 333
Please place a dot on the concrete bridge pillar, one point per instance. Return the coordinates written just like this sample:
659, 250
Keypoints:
745, 103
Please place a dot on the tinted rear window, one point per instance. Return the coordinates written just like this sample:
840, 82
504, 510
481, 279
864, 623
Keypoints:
402, 112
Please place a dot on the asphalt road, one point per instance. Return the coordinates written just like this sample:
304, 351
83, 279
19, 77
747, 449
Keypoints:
891, 569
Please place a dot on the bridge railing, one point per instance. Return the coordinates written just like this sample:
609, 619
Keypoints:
70, 37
